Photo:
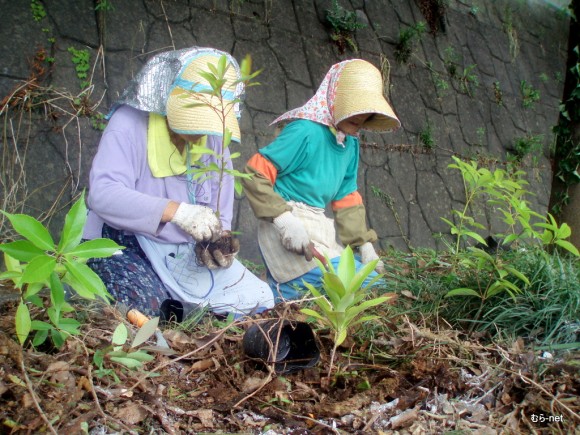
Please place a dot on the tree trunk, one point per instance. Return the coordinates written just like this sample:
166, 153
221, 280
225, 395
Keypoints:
570, 210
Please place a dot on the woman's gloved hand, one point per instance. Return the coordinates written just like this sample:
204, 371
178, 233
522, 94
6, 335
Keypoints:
293, 235
199, 221
368, 254
221, 253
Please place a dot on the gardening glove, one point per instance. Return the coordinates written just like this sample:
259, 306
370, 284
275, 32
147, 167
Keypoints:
199, 221
368, 254
212, 257
293, 235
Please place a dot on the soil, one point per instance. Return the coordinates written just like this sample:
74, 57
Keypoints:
400, 377
227, 245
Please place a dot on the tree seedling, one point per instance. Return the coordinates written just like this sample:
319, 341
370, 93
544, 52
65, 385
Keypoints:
343, 303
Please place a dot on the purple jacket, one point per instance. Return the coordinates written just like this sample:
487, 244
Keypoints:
124, 194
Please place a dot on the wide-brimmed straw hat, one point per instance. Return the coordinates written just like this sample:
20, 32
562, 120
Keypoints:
360, 90
190, 111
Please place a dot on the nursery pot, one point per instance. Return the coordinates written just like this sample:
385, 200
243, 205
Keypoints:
172, 310
290, 345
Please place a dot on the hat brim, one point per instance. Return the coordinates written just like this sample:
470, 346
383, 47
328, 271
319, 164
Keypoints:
193, 114
383, 119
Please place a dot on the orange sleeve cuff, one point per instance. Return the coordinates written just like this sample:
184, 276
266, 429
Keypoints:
349, 200
263, 166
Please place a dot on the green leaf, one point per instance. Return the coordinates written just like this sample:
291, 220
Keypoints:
31, 229
564, 231
39, 325
22, 250
140, 355
462, 292
56, 290
39, 269
340, 337
85, 281
475, 236
41, 336
69, 325
32, 289
346, 266
361, 276
58, 337
127, 362
568, 246
145, 332
22, 322
96, 248
74, 223
120, 335
314, 314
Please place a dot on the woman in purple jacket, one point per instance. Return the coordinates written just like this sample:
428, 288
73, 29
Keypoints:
143, 195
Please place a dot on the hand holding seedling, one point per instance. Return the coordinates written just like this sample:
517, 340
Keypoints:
199, 221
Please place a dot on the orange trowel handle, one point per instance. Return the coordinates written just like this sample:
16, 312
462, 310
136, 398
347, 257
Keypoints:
136, 317
316, 253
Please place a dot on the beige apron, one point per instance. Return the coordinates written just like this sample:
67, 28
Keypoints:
285, 265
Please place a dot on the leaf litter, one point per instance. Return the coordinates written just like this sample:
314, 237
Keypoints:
407, 379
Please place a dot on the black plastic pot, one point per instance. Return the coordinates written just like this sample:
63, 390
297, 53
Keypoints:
290, 345
172, 310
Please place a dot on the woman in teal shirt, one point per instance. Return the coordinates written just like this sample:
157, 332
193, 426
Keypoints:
313, 163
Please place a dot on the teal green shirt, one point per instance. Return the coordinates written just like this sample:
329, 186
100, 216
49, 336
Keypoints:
312, 167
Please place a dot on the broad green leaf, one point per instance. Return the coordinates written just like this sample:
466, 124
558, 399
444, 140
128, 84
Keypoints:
140, 356
69, 325
145, 332
120, 335
314, 314
12, 264
564, 231
346, 266
462, 292
475, 236
86, 279
74, 223
360, 277
39, 325
334, 287
41, 336
22, 322
568, 246
127, 362
21, 250
96, 248
31, 229
10, 275
39, 269
58, 338
32, 289
56, 290
353, 312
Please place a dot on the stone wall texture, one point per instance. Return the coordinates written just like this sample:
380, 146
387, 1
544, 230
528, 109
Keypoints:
460, 92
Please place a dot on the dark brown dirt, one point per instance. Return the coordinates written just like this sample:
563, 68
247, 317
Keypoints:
401, 377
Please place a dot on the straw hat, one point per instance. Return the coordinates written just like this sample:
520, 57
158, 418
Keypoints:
360, 90
190, 111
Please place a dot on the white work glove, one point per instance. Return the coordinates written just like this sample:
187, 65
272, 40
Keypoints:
293, 235
199, 221
368, 254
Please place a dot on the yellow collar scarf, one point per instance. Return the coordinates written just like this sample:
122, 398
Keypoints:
163, 157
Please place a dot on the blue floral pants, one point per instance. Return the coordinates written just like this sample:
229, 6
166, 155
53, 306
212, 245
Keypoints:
129, 277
